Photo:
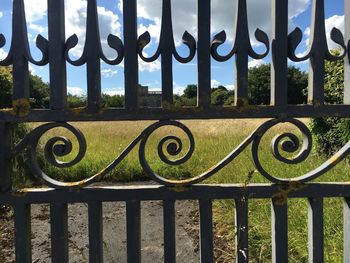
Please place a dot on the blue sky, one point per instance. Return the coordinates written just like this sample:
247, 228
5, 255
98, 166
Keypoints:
149, 18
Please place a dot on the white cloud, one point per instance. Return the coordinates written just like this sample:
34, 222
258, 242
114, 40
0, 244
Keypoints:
150, 67
255, 63
39, 29
1, 14
35, 10
230, 86
223, 15
76, 91
331, 22
32, 69
76, 13
108, 73
178, 89
3, 53
215, 83
113, 92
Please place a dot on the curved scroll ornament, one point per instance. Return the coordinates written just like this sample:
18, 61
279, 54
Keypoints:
242, 46
319, 50
93, 52
172, 146
166, 46
290, 143
58, 146
19, 49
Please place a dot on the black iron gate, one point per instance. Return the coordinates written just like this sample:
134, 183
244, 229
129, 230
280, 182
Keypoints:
55, 53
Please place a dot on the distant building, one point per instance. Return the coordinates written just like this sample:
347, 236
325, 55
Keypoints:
149, 98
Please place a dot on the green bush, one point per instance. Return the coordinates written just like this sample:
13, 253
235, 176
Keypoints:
20, 176
332, 133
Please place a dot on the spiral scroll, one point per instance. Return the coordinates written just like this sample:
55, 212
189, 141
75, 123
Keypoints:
288, 142
171, 146
55, 147
174, 147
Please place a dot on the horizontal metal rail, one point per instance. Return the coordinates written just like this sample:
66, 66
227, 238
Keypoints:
205, 194
195, 192
189, 113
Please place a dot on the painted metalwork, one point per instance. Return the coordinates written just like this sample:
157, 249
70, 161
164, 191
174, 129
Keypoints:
172, 146
288, 148
130, 47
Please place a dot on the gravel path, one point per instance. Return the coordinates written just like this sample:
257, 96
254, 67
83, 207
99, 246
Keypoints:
114, 220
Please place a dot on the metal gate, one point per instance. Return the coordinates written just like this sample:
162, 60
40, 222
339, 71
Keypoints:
204, 49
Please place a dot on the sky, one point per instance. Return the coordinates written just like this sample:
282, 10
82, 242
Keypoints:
149, 19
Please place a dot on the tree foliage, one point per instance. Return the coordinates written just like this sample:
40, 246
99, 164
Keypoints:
190, 91
38, 89
114, 101
332, 133
259, 81
39, 92
221, 96
5, 87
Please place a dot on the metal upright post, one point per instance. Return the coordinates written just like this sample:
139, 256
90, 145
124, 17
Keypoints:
5, 162
57, 38
279, 82
347, 59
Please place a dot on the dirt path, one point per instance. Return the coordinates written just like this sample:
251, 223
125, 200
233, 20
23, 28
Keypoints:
114, 220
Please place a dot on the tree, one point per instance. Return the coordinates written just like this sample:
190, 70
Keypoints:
259, 85
115, 101
5, 87
39, 92
259, 81
190, 91
219, 96
17, 130
75, 101
297, 86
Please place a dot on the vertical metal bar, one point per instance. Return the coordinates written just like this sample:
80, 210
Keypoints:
347, 59
133, 228
279, 231
93, 66
279, 66
206, 231
169, 231
241, 64
315, 226
57, 38
130, 49
95, 232
5, 162
19, 49
167, 42
318, 41
204, 69
242, 230
23, 233
346, 214
59, 232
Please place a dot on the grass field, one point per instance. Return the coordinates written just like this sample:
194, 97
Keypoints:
214, 140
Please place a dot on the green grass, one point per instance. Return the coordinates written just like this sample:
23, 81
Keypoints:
214, 140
